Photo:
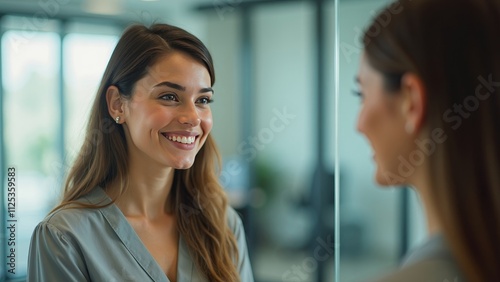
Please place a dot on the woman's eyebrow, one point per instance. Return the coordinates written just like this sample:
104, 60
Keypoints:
171, 85
207, 89
180, 87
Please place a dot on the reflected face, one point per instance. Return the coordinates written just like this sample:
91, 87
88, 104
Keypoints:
380, 122
168, 118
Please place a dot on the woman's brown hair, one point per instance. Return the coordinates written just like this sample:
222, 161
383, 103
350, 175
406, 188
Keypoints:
453, 46
196, 198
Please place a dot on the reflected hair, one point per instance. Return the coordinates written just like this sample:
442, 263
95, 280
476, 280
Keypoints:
197, 198
452, 45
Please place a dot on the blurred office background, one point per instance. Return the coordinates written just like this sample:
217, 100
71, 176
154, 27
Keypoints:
274, 122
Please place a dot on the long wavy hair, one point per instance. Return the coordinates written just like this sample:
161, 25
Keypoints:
453, 46
196, 198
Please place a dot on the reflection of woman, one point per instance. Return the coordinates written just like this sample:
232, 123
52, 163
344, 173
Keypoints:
142, 201
430, 81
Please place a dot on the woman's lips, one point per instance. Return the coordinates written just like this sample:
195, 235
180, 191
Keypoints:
181, 141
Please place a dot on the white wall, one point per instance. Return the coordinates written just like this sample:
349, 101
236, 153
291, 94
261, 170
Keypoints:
285, 83
283, 80
222, 39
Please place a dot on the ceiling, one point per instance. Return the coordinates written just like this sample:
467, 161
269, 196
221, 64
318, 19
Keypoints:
119, 9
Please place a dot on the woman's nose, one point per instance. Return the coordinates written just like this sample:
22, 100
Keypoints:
189, 115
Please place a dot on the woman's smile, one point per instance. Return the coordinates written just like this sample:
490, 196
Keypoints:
182, 140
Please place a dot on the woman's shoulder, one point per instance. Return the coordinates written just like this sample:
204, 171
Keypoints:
70, 217
236, 225
233, 218
79, 215
432, 270
431, 261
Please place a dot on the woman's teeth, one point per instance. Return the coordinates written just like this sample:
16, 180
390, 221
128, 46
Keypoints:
182, 139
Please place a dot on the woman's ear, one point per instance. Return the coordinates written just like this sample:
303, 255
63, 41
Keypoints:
415, 102
115, 103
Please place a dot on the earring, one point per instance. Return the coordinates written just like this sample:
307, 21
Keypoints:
117, 119
409, 128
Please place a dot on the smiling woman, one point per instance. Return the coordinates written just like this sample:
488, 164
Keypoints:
145, 181
168, 108
412, 74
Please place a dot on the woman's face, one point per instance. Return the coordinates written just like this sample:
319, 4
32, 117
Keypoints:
168, 118
381, 123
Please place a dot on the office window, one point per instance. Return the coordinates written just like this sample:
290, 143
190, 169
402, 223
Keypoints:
44, 113
30, 64
85, 58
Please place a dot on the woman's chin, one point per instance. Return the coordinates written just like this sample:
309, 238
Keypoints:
184, 166
387, 178
181, 164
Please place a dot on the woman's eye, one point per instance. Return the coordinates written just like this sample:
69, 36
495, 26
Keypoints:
358, 93
169, 97
205, 100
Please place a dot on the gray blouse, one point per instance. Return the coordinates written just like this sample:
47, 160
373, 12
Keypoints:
100, 245
432, 261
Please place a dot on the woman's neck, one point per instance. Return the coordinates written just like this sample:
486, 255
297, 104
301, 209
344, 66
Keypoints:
420, 180
423, 189
147, 191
